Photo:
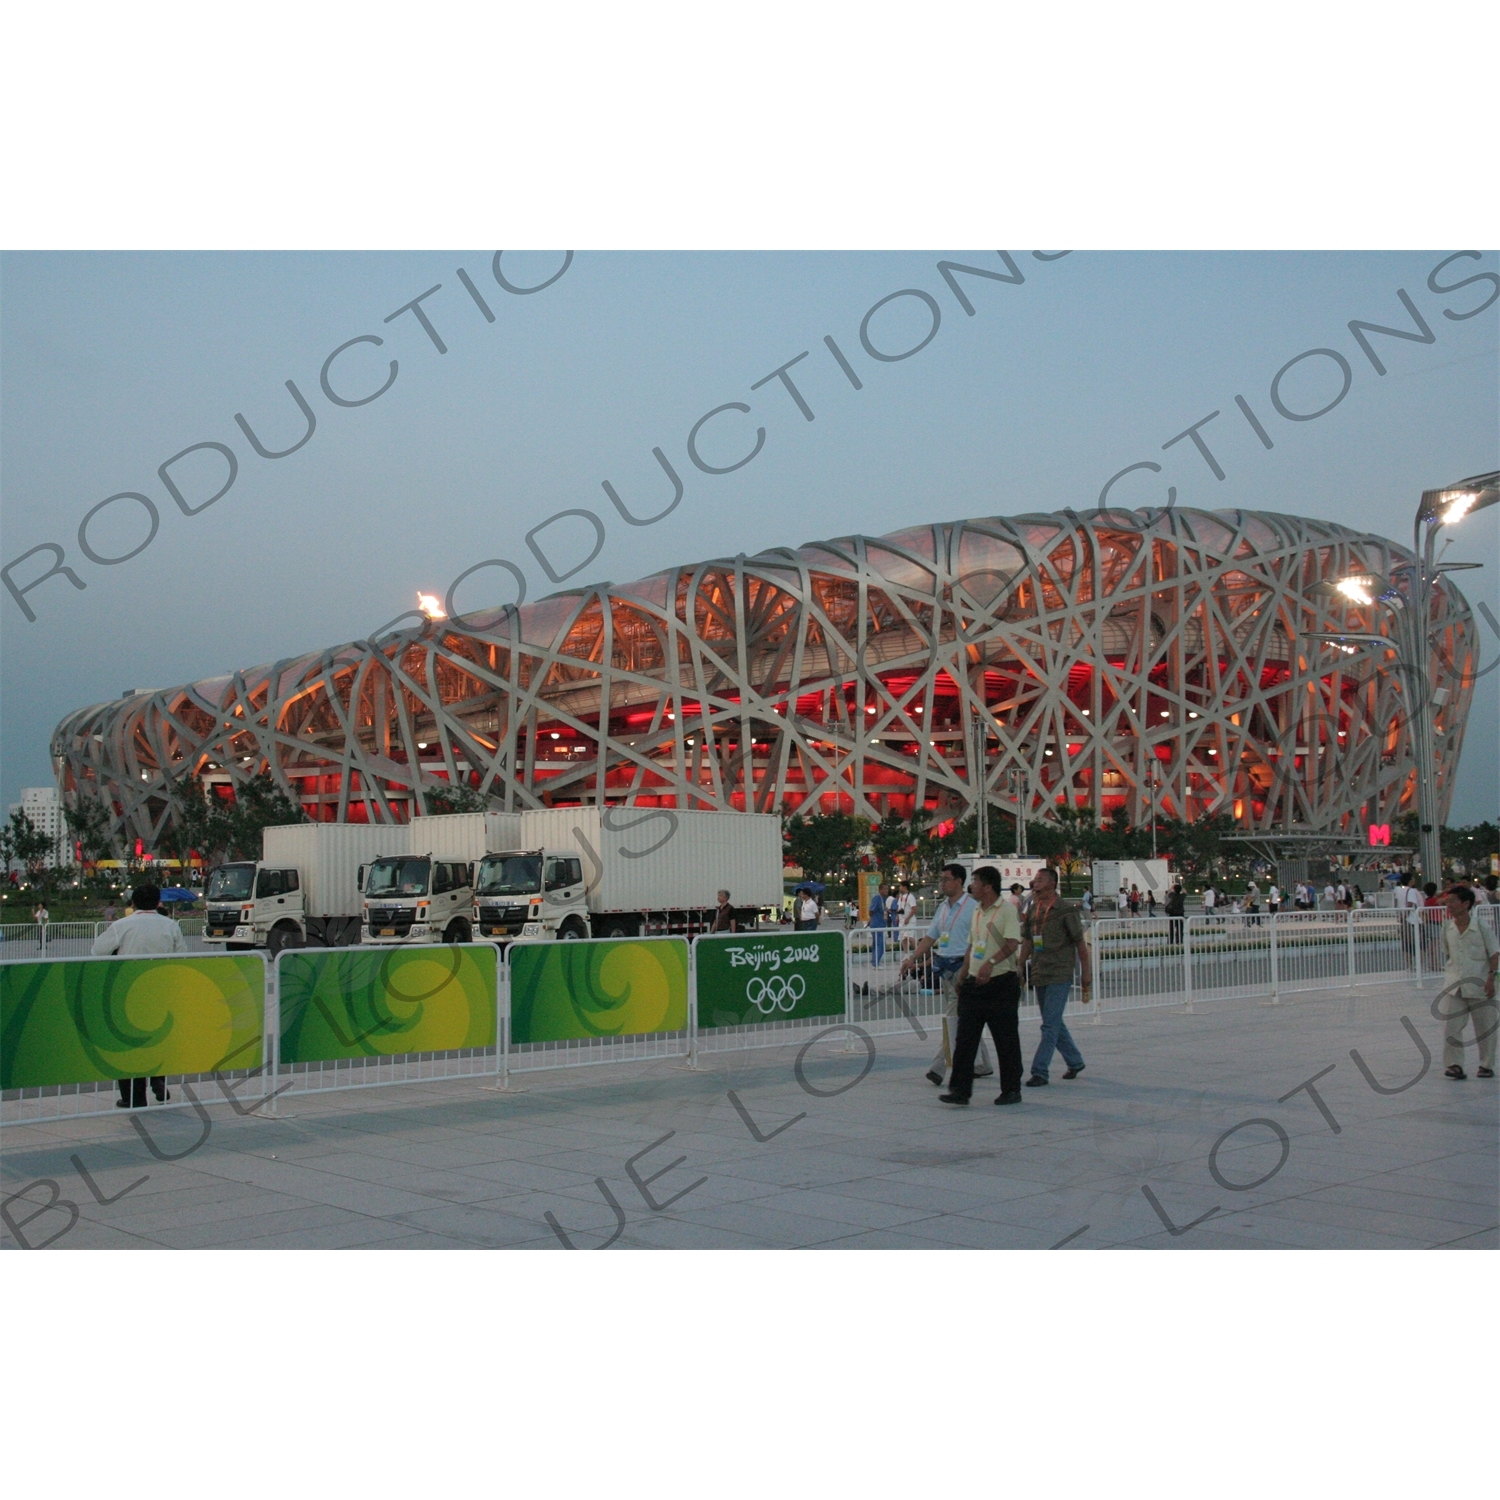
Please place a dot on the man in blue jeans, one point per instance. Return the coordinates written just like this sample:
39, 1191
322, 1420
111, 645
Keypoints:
880, 918
1052, 941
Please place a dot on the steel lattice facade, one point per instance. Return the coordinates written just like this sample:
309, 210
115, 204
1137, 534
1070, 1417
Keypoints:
850, 675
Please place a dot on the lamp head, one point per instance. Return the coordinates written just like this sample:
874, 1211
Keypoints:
1363, 589
1451, 504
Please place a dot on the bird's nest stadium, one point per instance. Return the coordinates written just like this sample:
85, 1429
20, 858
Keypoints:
1103, 659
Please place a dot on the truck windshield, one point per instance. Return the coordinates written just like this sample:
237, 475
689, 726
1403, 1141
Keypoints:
231, 883
398, 877
509, 875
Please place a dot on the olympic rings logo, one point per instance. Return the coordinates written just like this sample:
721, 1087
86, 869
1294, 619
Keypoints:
779, 992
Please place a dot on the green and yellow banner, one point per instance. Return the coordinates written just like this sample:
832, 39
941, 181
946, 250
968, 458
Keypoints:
381, 1002
754, 977
95, 1020
569, 991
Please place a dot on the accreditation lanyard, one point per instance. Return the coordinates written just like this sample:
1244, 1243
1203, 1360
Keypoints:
945, 932
1038, 941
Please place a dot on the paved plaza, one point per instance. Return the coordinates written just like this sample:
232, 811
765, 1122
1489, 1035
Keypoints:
851, 1150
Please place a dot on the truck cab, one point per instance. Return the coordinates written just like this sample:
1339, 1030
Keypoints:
414, 898
255, 905
531, 893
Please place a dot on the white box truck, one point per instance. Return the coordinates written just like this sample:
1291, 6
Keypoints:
425, 894
305, 888
575, 872
1014, 868
1113, 878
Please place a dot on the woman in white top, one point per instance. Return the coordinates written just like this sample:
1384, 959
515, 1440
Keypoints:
906, 910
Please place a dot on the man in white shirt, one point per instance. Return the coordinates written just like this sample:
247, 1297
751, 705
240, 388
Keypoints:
1469, 994
947, 941
1409, 902
144, 933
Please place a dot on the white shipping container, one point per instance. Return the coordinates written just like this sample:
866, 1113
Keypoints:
329, 856
658, 859
465, 836
1114, 877
1014, 869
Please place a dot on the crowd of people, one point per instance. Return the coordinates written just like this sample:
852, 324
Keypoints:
983, 943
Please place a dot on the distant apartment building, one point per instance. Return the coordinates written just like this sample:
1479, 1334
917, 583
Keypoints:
43, 806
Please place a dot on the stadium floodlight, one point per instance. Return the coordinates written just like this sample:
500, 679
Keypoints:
1449, 505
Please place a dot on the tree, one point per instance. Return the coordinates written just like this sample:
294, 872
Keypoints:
88, 821
452, 797
21, 840
201, 822
825, 845
1197, 848
893, 843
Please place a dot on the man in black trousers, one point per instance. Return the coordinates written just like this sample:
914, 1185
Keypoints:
989, 992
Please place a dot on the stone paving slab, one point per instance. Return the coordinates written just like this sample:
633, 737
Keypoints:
1140, 1152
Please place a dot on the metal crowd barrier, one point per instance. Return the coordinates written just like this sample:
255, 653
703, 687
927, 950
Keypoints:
360, 1017
23, 942
1145, 962
342, 1018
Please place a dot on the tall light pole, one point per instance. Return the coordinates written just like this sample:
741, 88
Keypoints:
1153, 778
1408, 597
977, 776
1019, 782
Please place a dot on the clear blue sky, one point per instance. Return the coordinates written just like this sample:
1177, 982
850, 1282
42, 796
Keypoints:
111, 363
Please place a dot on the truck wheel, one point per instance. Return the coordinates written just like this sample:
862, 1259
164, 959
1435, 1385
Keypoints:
458, 931
617, 930
571, 931
283, 937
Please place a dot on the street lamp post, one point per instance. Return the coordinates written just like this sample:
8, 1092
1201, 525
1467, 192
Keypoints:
1153, 778
1019, 782
981, 802
1411, 612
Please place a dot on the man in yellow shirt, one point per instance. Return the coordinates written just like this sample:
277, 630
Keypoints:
989, 992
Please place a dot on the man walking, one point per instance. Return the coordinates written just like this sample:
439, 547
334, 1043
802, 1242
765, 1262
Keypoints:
880, 914
947, 940
1052, 940
1470, 993
989, 992
144, 933
1176, 906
